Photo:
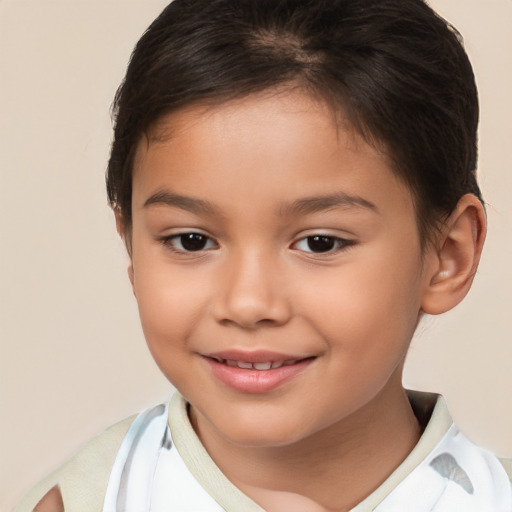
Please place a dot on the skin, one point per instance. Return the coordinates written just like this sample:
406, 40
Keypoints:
51, 502
248, 170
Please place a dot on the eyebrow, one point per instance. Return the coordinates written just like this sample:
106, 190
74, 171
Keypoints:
327, 202
299, 207
190, 204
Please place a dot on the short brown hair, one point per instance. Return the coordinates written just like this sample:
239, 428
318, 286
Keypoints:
397, 71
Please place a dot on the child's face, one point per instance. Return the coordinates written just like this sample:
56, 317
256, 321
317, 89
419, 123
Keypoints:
227, 270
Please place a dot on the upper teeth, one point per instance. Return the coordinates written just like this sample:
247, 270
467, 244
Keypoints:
256, 366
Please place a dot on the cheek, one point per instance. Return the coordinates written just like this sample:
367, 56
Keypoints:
170, 302
368, 308
168, 312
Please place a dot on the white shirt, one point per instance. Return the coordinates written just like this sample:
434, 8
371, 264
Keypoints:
163, 467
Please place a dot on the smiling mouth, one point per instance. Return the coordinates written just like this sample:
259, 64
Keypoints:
260, 366
258, 371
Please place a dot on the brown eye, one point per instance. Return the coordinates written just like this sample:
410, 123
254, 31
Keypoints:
193, 241
321, 243
189, 242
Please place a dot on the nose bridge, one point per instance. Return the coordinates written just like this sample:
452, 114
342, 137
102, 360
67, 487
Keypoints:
250, 293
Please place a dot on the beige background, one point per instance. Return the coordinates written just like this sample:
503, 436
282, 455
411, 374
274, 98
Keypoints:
72, 356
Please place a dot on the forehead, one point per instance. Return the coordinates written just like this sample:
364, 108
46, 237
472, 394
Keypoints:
280, 104
278, 144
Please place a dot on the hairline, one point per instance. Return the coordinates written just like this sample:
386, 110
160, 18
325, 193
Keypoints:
341, 119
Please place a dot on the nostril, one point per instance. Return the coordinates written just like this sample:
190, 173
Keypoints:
252, 322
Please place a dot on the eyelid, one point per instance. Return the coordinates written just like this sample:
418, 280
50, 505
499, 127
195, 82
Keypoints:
168, 242
341, 243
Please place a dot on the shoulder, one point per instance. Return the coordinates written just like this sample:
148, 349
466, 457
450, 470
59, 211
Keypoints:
80, 484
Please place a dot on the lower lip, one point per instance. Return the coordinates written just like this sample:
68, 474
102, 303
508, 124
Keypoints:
256, 381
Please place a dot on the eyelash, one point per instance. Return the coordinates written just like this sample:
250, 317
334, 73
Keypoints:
338, 244
333, 244
170, 242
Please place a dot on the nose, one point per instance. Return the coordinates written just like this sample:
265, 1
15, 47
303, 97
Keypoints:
251, 292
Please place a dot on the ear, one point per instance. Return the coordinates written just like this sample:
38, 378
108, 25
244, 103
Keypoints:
125, 234
452, 264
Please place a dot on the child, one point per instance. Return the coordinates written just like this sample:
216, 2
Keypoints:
294, 181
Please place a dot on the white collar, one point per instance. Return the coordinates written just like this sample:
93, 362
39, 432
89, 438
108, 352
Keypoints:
445, 472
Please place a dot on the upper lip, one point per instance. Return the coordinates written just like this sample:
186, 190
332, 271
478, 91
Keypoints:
255, 356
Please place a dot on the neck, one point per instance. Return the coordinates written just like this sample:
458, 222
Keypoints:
356, 455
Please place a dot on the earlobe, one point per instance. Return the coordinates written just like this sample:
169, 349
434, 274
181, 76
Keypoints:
123, 232
131, 276
120, 227
453, 263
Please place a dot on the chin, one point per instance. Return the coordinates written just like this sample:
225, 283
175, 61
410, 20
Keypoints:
261, 440
251, 434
